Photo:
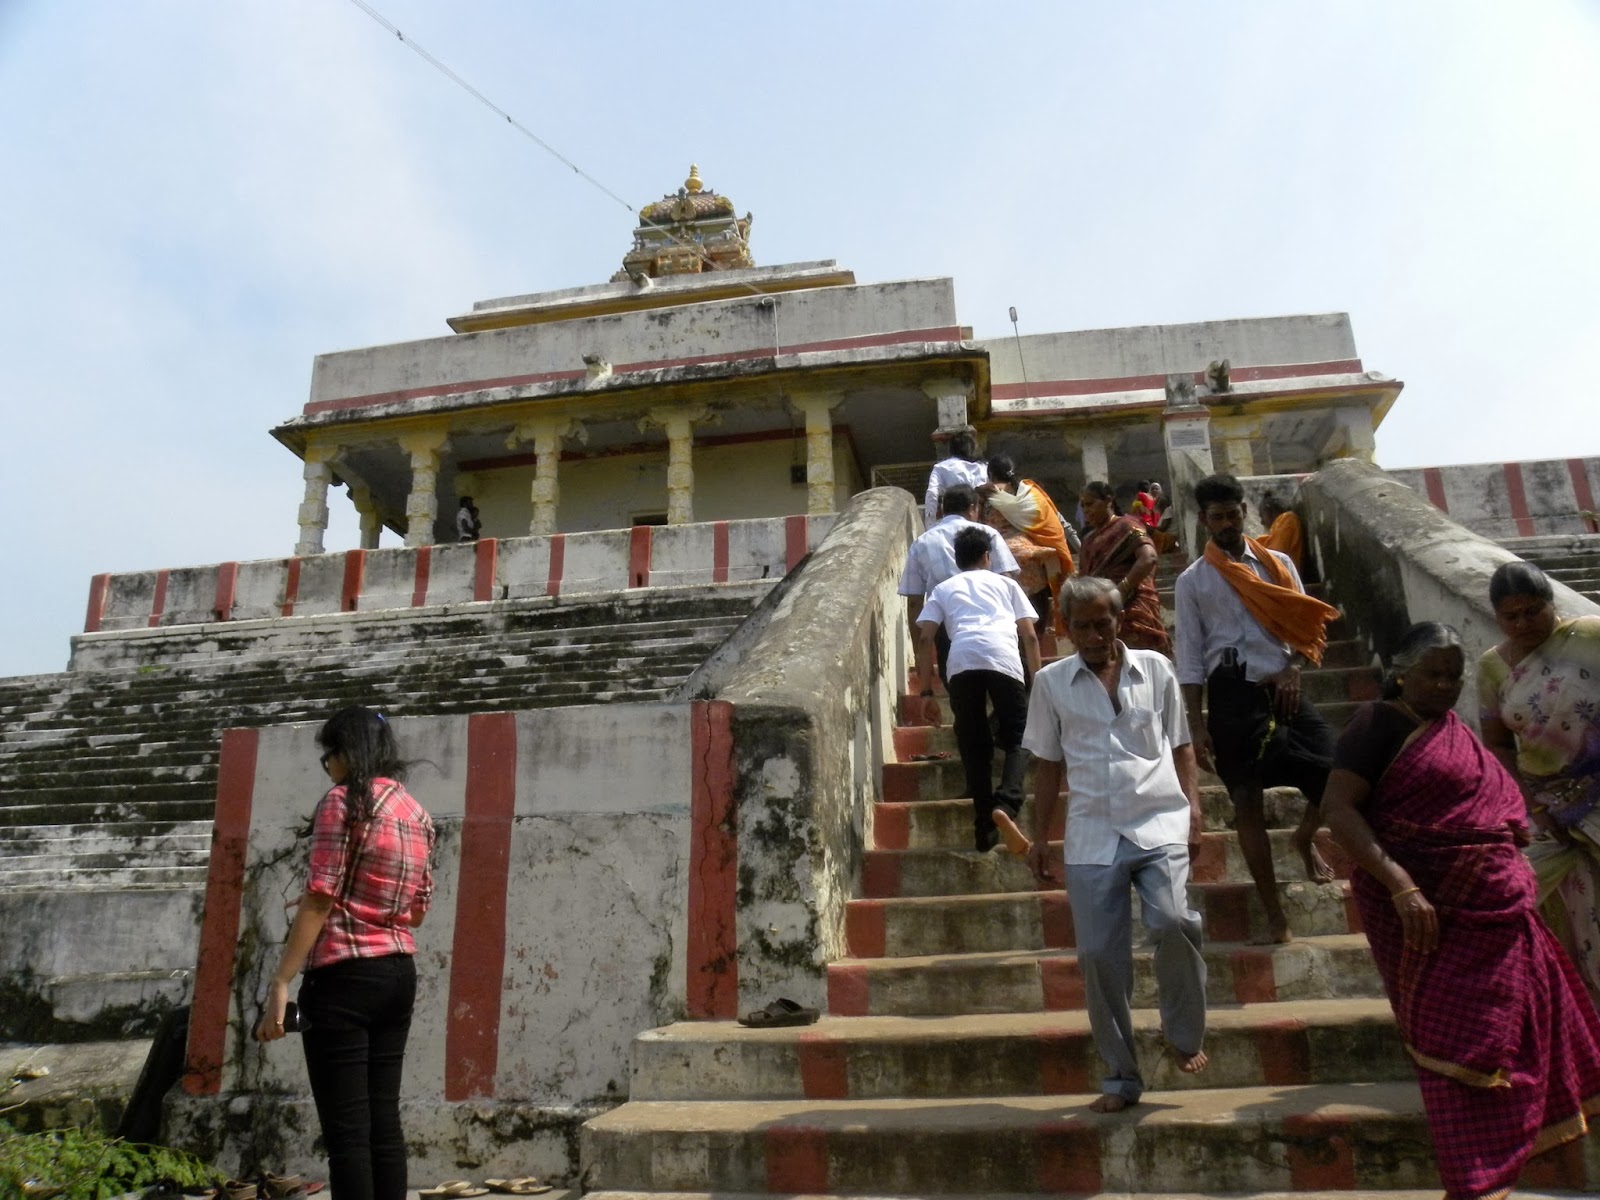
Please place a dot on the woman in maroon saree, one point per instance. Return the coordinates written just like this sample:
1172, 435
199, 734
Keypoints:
1493, 1015
1119, 548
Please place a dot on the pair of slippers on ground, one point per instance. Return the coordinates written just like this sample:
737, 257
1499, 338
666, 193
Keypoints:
463, 1189
780, 1013
265, 1186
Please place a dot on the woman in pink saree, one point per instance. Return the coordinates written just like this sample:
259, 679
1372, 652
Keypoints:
1497, 1024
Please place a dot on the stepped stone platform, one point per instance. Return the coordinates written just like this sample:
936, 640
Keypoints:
955, 1057
108, 771
1572, 559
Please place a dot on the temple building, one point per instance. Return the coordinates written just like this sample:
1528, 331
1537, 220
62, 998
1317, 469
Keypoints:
697, 386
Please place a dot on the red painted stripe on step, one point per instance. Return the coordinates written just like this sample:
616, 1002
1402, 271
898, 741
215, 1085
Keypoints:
891, 826
227, 589
911, 739
1560, 1167
1056, 916
1067, 1063
880, 875
1582, 492
1352, 914
849, 990
419, 585
219, 929
1211, 864
1517, 496
719, 552
1285, 1050
796, 1158
1433, 481
1319, 1152
483, 568
1062, 984
902, 782
796, 538
866, 928
639, 557
824, 1070
558, 562
1227, 911
712, 942
291, 586
98, 587
1066, 1158
159, 602
1254, 981
355, 571
472, 1036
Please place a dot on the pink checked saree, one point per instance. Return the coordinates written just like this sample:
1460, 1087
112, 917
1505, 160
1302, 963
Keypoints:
1506, 1043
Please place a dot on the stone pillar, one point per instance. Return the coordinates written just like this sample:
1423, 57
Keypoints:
546, 434
679, 426
367, 510
817, 408
1091, 447
1187, 434
422, 505
318, 475
1353, 435
1234, 433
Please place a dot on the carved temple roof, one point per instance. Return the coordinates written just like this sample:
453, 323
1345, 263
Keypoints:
694, 231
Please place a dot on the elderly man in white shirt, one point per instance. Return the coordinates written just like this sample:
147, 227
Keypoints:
932, 559
961, 468
994, 652
1109, 722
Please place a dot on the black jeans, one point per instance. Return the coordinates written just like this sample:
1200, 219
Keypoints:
971, 693
359, 1011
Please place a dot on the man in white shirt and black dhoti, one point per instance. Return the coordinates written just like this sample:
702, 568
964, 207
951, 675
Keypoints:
994, 652
961, 468
1109, 722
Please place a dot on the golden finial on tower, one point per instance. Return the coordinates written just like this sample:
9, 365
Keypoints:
693, 184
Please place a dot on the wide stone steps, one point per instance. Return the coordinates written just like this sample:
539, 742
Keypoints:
1368, 1135
1031, 1054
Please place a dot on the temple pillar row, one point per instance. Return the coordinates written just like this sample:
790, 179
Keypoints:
367, 510
546, 434
1186, 433
678, 424
318, 474
422, 505
1234, 435
1090, 446
817, 408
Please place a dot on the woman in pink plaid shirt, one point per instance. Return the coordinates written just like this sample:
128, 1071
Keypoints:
368, 887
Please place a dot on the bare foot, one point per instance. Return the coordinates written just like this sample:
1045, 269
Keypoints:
1277, 934
1189, 1064
1110, 1103
1317, 868
1014, 839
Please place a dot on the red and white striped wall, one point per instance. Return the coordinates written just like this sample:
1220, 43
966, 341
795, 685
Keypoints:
1514, 499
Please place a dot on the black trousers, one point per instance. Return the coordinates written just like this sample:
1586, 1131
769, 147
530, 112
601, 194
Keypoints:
971, 695
1251, 744
359, 1012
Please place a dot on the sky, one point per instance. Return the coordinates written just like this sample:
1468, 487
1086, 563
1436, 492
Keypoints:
198, 197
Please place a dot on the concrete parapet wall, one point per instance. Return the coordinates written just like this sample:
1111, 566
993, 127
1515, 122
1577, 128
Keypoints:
815, 319
1513, 499
1392, 559
414, 577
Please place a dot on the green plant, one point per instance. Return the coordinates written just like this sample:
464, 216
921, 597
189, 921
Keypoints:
92, 1166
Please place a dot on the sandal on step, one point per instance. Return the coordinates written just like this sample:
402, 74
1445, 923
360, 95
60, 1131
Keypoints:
781, 1012
454, 1189
525, 1185
283, 1187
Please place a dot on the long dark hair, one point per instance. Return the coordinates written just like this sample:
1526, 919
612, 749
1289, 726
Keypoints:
1103, 490
1518, 578
363, 738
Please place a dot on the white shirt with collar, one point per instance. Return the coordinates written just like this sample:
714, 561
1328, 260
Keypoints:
1121, 780
946, 474
980, 611
1211, 618
932, 557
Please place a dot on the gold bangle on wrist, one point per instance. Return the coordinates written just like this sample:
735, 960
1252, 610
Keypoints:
1403, 892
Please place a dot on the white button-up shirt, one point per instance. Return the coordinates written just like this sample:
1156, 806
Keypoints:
1211, 618
980, 611
932, 557
947, 473
1121, 780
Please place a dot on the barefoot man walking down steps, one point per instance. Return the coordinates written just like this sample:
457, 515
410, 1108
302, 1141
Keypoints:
1112, 718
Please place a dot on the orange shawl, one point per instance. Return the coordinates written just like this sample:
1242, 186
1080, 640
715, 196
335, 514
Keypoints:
1285, 535
1286, 613
1043, 529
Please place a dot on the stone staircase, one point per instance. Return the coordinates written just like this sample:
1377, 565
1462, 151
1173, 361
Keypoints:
955, 1057
108, 773
1573, 559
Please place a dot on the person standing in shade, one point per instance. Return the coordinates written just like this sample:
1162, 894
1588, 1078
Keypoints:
932, 559
962, 468
986, 617
1245, 628
467, 524
1109, 723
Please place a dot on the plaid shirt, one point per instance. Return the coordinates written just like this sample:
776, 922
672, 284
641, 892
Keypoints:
371, 912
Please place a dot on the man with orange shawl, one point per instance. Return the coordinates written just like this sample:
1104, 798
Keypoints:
1245, 626
1024, 504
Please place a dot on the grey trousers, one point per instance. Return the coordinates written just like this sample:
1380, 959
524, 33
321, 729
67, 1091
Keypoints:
1102, 915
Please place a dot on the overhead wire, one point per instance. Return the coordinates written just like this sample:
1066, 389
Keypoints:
770, 301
